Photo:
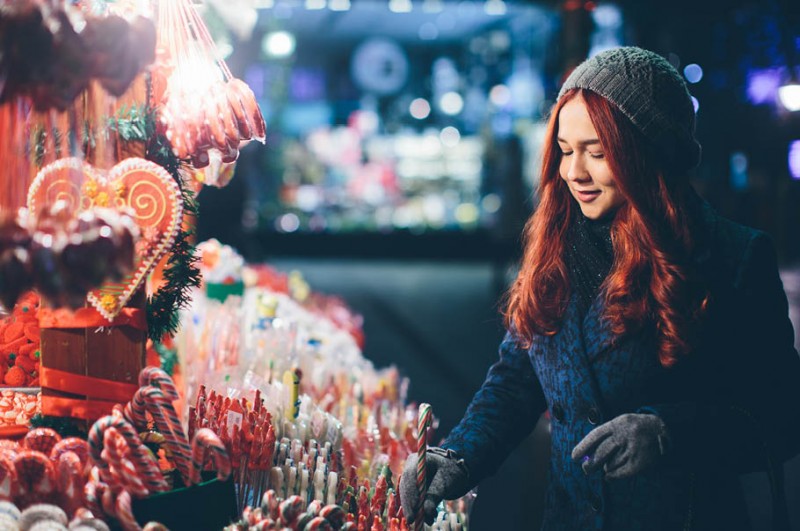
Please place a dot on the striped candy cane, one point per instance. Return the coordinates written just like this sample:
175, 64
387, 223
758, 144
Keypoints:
121, 468
124, 509
206, 440
142, 458
423, 423
157, 377
154, 401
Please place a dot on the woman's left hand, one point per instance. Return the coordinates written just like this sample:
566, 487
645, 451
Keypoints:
624, 446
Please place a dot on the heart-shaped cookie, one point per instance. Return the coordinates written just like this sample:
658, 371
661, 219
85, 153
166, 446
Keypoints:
142, 188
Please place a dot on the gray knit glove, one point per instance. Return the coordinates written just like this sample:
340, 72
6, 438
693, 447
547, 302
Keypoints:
624, 446
447, 477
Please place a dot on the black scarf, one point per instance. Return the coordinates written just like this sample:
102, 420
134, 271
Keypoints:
589, 256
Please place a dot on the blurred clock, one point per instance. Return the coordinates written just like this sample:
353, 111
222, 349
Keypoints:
379, 66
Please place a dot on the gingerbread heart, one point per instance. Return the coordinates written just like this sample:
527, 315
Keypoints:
142, 188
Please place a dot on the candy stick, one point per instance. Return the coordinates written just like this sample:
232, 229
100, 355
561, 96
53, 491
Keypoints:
290, 509
333, 480
423, 423
166, 420
144, 461
121, 470
205, 441
125, 512
157, 377
70, 480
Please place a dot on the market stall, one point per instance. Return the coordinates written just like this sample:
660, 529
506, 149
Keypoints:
148, 383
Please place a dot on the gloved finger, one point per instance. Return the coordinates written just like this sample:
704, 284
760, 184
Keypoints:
592, 439
619, 470
409, 494
437, 488
430, 506
620, 465
602, 455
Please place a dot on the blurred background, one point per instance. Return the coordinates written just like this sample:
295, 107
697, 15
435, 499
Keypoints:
401, 155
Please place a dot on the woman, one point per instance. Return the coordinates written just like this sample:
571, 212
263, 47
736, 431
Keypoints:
653, 331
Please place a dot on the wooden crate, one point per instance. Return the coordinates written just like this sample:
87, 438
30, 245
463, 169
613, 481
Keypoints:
113, 357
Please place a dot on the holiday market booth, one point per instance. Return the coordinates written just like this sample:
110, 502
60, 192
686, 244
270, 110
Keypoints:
149, 381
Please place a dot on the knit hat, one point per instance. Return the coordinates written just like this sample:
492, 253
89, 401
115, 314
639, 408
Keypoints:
649, 91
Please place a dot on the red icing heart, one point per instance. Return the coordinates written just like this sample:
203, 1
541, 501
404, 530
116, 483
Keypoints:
143, 188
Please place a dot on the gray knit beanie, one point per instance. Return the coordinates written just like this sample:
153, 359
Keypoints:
649, 91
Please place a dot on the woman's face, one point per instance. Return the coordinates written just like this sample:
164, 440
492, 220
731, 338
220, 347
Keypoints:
583, 164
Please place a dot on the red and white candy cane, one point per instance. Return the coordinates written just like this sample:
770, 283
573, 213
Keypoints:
157, 377
153, 400
423, 423
75, 445
8, 477
206, 440
142, 458
124, 507
122, 470
69, 470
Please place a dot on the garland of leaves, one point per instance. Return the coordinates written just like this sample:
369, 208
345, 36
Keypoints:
138, 124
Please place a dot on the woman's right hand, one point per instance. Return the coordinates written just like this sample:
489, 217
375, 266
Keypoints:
447, 477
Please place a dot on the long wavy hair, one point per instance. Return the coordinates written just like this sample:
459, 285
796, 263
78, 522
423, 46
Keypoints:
650, 283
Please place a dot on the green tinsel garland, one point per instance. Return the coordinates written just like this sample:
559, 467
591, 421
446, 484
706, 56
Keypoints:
65, 426
181, 274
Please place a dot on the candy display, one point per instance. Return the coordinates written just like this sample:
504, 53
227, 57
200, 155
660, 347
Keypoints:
273, 417
20, 337
270, 373
205, 112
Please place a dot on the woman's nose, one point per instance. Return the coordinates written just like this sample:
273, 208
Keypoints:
577, 170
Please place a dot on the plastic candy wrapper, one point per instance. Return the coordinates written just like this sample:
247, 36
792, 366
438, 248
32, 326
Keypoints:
205, 112
220, 264
334, 430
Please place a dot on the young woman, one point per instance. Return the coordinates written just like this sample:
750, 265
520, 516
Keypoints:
653, 331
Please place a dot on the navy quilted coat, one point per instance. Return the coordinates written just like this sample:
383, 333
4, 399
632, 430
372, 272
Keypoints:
737, 394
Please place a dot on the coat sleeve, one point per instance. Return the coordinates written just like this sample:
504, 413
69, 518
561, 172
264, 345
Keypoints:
502, 413
751, 408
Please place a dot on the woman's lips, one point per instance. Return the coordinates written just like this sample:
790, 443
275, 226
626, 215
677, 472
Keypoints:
587, 196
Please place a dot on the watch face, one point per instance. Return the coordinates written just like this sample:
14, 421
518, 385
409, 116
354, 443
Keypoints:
379, 66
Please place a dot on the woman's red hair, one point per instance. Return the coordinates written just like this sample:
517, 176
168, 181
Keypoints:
650, 282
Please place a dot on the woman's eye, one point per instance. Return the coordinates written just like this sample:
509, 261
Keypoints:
566, 153
596, 155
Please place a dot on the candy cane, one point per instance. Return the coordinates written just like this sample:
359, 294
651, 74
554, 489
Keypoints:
70, 480
75, 445
143, 459
423, 423
125, 512
206, 440
123, 471
93, 491
41, 439
153, 400
157, 377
